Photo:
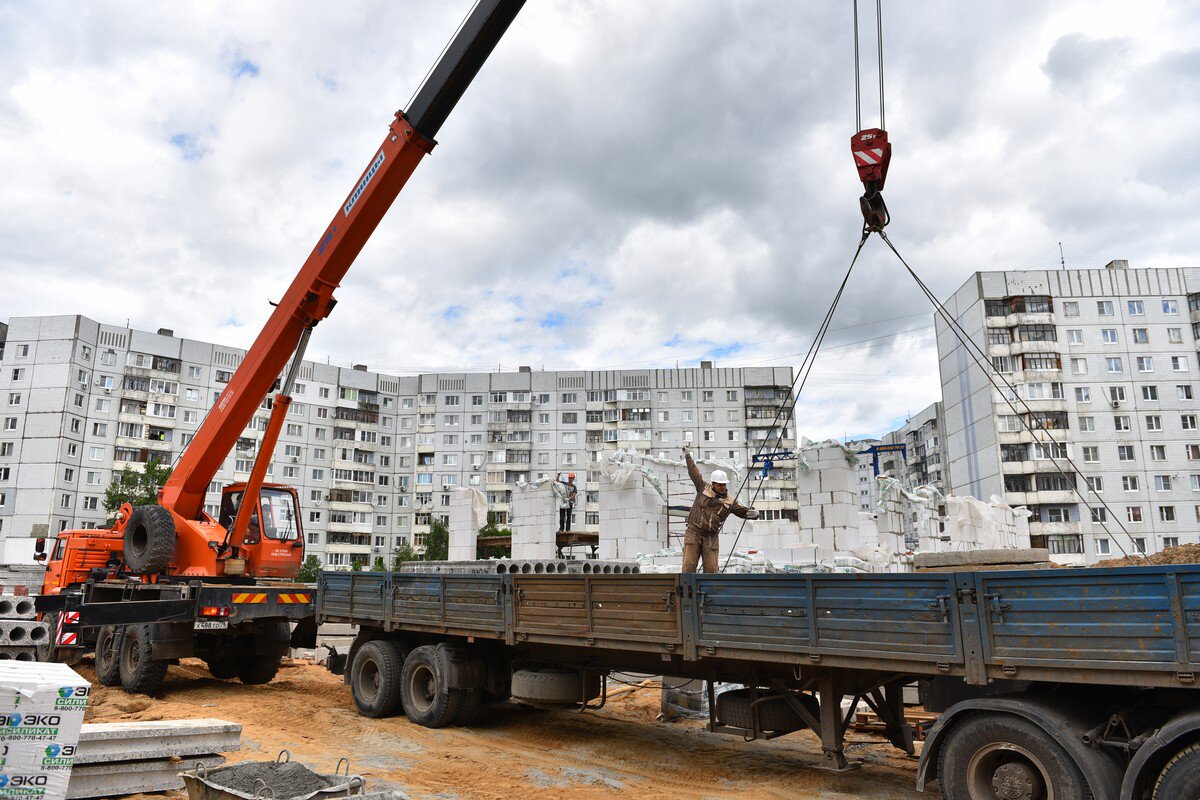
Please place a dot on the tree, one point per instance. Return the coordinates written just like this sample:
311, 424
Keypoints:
378, 565
437, 541
404, 553
491, 528
357, 564
137, 487
309, 570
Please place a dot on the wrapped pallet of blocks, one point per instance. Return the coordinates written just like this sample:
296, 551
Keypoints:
41, 708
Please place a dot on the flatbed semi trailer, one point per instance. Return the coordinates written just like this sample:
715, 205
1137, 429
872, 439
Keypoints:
1078, 683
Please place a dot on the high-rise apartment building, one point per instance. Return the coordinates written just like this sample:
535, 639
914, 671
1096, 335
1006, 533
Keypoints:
1103, 365
374, 457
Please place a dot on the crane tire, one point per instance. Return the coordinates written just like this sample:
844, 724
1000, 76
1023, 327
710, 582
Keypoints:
140, 672
108, 656
149, 540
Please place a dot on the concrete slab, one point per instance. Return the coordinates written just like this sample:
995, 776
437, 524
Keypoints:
17, 653
14, 606
1033, 555
23, 632
116, 741
115, 779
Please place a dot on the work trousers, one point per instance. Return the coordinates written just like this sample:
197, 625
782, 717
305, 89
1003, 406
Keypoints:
696, 546
564, 520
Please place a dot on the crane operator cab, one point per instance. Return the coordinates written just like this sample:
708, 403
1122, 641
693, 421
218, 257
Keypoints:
273, 545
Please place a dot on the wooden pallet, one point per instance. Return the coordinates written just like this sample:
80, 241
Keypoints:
920, 722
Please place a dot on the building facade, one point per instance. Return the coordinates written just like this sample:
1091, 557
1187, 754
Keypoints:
1103, 368
373, 456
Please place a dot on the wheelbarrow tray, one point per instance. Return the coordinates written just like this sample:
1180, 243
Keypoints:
212, 784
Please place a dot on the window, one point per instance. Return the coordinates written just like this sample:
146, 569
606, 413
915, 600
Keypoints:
1175, 335
1087, 424
1171, 541
1139, 544
10, 423
1166, 513
1153, 422
14, 398
1134, 514
64, 501
1075, 336
1145, 364
1193, 452
22, 350
1158, 452
1141, 336
452, 399
1178, 364
1114, 364
1095, 484
6, 448
1170, 307
1101, 544
1079, 366
1003, 364
1116, 394
1184, 392
1041, 362
999, 336
99, 429
95, 453
1129, 483
1137, 308
1083, 394
1009, 423
1188, 421
1125, 452
1150, 393
570, 397
1091, 454
1071, 309
1162, 483
1120, 423
570, 417
1108, 335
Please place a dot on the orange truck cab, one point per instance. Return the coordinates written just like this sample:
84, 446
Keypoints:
75, 555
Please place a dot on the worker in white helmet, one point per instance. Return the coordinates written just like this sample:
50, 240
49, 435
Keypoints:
710, 509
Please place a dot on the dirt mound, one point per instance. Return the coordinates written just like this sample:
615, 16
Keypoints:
1183, 554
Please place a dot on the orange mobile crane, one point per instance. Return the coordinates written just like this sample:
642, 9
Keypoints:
197, 583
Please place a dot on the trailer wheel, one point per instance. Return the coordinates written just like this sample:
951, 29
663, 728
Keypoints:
1180, 778
139, 672
149, 539
108, 656
375, 678
1001, 756
427, 700
735, 708
554, 686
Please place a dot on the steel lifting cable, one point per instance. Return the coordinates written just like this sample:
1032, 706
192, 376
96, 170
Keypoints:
794, 391
978, 356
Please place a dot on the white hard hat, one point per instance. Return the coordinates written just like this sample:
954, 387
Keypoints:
718, 476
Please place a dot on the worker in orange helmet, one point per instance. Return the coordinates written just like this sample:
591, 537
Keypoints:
567, 495
710, 509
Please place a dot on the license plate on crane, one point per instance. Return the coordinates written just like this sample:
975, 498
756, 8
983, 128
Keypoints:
210, 625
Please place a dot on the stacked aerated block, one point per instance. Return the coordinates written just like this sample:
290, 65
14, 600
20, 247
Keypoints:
633, 518
42, 709
828, 499
464, 526
534, 522
20, 632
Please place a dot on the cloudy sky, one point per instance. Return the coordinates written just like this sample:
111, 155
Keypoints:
626, 184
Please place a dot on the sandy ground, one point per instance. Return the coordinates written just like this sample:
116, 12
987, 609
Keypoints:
510, 752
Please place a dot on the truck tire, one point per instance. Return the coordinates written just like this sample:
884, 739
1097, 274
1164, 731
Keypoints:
108, 656
375, 678
223, 668
255, 669
139, 672
426, 698
149, 540
1180, 778
554, 686
472, 704
995, 755
735, 708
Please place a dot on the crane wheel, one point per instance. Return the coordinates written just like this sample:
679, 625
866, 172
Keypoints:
108, 653
140, 672
149, 540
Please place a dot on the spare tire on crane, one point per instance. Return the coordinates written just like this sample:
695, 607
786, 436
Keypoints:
149, 539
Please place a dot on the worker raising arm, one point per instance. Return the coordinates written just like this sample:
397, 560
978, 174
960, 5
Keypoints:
710, 509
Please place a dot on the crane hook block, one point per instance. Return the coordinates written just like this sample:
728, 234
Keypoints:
872, 154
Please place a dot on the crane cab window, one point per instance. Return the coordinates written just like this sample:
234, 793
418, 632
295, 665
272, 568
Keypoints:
276, 518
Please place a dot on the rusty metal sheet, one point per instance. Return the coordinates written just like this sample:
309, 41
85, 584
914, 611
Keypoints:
597, 610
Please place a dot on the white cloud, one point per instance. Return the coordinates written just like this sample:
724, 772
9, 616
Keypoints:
626, 184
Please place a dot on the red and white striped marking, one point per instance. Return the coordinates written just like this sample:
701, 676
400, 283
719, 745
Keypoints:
68, 638
868, 158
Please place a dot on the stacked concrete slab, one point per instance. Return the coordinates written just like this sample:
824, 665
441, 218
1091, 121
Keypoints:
511, 566
123, 758
633, 517
20, 632
534, 521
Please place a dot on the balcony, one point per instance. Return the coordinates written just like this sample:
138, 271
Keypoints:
1042, 497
